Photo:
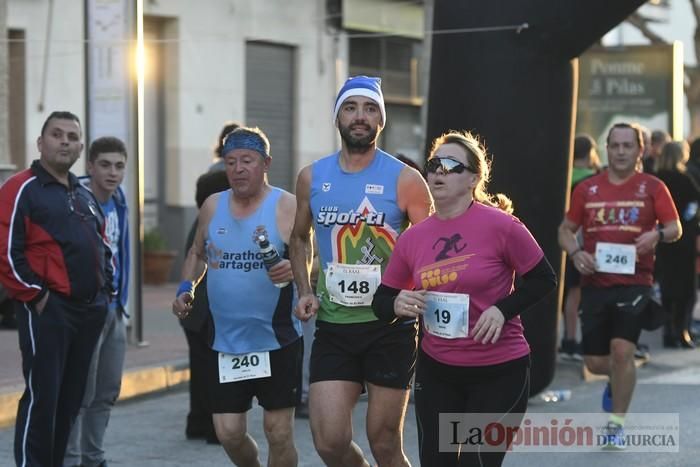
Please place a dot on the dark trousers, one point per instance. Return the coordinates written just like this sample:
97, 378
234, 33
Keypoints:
441, 388
680, 311
57, 347
199, 421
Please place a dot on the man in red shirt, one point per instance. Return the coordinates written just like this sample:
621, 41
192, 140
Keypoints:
623, 214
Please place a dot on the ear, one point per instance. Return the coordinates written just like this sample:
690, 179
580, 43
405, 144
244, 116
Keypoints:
38, 144
475, 180
267, 162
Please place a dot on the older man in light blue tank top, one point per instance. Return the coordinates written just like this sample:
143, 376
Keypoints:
257, 338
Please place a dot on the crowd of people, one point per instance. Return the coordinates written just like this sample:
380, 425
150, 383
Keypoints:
376, 276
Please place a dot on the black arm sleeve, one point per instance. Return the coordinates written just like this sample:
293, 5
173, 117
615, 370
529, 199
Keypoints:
383, 303
533, 286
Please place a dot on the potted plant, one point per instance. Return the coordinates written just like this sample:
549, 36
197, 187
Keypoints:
157, 258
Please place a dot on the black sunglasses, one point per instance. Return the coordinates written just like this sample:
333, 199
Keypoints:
447, 165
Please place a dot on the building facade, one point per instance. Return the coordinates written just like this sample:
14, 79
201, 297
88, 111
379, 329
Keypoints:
269, 63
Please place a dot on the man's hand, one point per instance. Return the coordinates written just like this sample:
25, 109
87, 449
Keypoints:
281, 272
41, 304
307, 306
182, 305
646, 242
584, 262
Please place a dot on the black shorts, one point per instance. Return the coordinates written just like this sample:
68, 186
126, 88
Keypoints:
280, 391
572, 278
374, 352
611, 312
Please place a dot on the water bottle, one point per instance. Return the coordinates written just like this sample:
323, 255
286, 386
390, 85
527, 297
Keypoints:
556, 395
270, 256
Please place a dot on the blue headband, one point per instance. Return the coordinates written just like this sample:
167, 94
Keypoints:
246, 140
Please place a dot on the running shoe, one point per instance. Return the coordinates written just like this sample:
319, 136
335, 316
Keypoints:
571, 350
614, 437
607, 398
642, 353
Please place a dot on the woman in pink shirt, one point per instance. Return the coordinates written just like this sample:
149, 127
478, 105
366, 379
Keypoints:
455, 272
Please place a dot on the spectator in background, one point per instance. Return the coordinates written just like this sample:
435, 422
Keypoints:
658, 139
646, 139
218, 163
693, 171
106, 167
693, 164
55, 262
586, 163
408, 161
198, 329
675, 262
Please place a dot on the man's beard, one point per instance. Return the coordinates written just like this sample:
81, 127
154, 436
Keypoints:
358, 144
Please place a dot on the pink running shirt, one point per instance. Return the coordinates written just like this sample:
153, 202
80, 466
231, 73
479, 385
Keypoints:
477, 253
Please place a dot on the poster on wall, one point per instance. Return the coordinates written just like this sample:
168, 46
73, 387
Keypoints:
108, 51
642, 84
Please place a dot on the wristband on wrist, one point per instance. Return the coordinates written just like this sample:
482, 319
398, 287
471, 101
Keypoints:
573, 253
659, 228
185, 286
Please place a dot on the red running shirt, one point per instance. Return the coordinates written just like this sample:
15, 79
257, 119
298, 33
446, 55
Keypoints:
619, 214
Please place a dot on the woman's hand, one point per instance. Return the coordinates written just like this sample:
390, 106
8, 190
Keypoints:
488, 327
409, 303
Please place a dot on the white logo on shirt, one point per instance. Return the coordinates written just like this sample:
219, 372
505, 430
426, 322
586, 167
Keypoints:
112, 231
326, 186
374, 189
642, 189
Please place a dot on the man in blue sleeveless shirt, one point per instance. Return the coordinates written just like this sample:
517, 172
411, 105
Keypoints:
358, 200
106, 167
257, 339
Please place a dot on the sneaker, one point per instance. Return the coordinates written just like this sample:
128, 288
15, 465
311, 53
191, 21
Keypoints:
607, 398
642, 352
571, 350
614, 437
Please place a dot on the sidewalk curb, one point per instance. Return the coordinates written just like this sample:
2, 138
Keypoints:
135, 382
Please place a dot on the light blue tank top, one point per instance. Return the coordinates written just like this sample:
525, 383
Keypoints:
250, 313
357, 220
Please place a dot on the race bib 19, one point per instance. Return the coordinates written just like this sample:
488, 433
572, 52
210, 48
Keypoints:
352, 284
615, 258
251, 365
446, 314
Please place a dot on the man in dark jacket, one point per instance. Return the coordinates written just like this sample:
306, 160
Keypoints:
56, 265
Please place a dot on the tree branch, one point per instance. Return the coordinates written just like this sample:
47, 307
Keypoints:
696, 10
642, 24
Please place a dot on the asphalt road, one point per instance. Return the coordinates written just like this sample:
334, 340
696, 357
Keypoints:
149, 432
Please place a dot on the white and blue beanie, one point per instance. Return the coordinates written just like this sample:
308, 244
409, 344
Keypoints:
367, 86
